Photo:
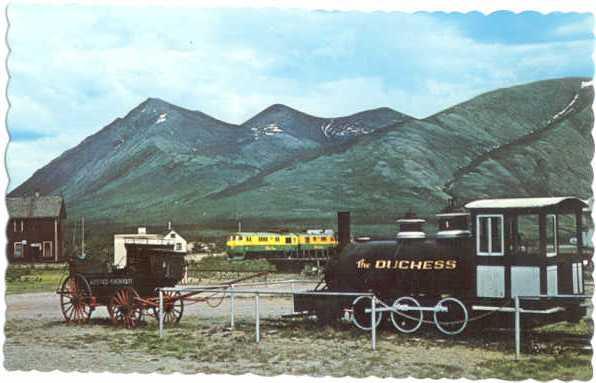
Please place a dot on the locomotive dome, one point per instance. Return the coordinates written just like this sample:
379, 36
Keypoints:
411, 228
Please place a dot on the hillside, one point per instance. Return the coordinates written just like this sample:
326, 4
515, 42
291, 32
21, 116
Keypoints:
162, 162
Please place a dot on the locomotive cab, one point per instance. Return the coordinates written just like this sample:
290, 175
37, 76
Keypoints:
527, 247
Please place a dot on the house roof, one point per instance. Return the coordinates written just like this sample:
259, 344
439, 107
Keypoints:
520, 203
35, 207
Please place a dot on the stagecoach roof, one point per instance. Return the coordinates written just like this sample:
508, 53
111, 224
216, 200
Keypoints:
522, 203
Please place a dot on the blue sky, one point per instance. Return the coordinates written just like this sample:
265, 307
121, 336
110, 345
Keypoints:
74, 69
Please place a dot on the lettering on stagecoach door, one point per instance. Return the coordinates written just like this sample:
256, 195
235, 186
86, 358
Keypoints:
406, 264
111, 282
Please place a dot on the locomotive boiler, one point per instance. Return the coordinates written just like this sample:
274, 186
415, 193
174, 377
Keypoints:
477, 263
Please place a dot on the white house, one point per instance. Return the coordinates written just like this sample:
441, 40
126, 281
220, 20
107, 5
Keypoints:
180, 244
171, 238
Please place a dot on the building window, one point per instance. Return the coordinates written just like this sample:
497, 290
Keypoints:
22, 226
47, 249
178, 246
489, 235
18, 250
173, 235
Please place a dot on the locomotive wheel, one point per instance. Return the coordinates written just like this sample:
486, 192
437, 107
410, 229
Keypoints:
124, 308
173, 307
75, 299
361, 318
454, 320
406, 321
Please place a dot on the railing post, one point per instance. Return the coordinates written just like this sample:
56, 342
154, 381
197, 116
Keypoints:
373, 322
517, 329
257, 314
160, 313
232, 309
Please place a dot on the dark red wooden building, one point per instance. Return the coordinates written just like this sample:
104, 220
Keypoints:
35, 230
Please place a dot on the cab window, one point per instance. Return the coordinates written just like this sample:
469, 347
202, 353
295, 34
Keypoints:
489, 234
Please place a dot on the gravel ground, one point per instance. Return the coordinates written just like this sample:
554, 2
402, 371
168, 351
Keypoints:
37, 338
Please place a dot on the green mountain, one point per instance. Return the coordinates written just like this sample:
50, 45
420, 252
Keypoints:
282, 166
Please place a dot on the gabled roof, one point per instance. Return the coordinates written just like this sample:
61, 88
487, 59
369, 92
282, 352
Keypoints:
521, 203
35, 207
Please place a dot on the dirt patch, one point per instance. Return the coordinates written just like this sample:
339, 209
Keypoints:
36, 338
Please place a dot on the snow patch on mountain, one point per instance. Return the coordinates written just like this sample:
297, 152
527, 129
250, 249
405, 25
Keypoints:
586, 84
332, 129
564, 110
162, 118
269, 130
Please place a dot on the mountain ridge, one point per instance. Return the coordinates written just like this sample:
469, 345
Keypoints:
285, 164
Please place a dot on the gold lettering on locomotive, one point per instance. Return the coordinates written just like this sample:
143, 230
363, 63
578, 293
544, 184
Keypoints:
416, 265
406, 264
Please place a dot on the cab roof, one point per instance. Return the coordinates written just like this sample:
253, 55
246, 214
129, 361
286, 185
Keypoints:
525, 203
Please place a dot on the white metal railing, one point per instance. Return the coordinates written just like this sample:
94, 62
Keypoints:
232, 291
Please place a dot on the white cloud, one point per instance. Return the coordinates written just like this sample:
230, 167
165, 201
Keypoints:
74, 69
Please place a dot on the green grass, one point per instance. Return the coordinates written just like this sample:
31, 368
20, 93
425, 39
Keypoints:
567, 366
31, 279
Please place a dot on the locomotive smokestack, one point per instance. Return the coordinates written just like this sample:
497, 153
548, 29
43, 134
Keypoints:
344, 231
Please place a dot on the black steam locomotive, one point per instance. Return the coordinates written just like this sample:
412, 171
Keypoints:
472, 268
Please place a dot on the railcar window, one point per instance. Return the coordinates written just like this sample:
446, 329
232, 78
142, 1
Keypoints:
288, 240
276, 239
489, 230
307, 239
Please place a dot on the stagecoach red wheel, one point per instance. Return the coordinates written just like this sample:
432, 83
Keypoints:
76, 299
125, 309
173, 306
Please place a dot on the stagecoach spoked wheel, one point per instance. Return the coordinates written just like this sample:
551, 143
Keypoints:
454, 320
173, 308
125, 309
360, 317
76, 299
406, 321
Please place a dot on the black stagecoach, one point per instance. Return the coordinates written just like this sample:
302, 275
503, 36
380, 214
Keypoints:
128, 293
